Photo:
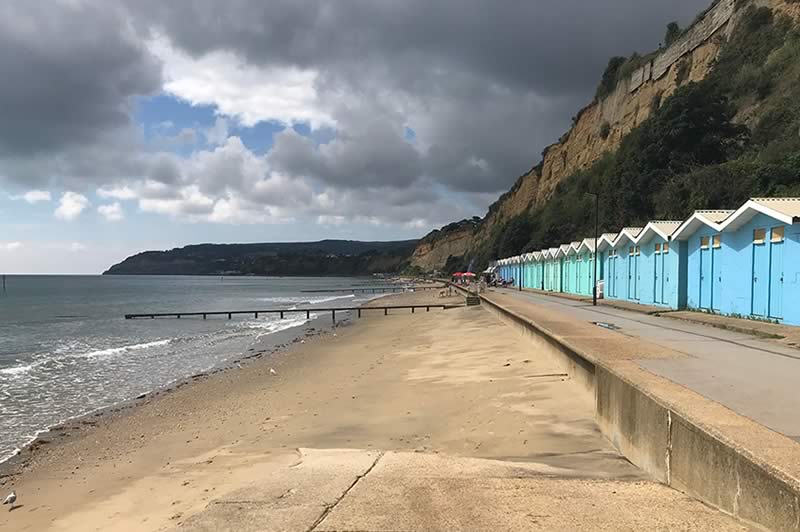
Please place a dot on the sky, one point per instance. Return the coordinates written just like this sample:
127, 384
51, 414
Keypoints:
130, 125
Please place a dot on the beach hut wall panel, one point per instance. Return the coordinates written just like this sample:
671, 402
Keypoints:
659, 263
706, 276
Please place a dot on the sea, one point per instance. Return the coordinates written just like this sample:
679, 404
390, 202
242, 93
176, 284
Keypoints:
66, 349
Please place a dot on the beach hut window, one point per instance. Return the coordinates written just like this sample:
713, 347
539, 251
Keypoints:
777, 234
630, 251
704, 241
759, 236
658, 249
638, 250
717, 241
665, 247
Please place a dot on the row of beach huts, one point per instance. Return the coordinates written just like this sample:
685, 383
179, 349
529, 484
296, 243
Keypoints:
743, 263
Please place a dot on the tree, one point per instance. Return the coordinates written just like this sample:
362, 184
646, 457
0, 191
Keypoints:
516, 233
673, 32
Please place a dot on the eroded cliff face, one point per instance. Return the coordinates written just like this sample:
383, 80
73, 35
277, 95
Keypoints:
601, 126
433, 251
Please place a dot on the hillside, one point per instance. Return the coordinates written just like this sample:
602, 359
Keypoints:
327, 257
706, 122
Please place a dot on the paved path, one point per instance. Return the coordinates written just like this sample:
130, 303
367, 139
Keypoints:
327, 490
754, 377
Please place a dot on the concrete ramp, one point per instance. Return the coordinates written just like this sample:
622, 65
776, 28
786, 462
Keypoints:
331, 490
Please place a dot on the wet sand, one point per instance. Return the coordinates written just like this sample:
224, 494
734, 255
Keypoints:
454, 383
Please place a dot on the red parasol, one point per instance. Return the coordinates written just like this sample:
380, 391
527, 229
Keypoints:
458, 274
468, 274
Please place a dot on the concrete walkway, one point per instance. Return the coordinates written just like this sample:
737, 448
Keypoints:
347, 489
755, 377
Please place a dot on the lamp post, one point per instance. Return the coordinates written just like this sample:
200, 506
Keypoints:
596, 230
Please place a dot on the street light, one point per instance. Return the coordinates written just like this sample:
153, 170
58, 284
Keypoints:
596, 230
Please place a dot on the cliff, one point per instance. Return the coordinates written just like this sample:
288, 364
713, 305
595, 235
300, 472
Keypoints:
640, 86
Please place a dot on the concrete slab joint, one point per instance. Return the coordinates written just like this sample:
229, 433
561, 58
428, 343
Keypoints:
329, 507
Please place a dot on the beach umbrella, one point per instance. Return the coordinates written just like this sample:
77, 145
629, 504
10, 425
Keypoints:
468, 274
458, 274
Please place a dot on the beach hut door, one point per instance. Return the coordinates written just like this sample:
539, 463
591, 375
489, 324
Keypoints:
706, 273
631, 275
658, 273
776, 273
760, 278
716, 266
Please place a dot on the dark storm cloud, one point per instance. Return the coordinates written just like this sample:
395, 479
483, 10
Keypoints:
549, 46
69, 70
486, 84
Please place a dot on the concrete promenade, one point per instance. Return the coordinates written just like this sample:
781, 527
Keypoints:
754, 377
684, 438
327, 490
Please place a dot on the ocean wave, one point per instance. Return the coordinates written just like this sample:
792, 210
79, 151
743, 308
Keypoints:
17, 370
267, 327
297, 300
122, 349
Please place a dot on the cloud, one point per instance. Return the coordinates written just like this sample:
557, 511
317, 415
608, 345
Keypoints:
123, 192
218, 133
111, 212
10, 246
483, 85
71, 206
34, 196
250, 93
77, 246
69, 70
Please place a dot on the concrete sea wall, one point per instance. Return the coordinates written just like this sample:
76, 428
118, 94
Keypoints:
675, 447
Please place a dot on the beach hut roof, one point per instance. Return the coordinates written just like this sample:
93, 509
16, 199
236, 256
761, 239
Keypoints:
699, 219
588, 244
627, 233
537, 256
566, 249
661, 228
606, 240
785, 210
554, 252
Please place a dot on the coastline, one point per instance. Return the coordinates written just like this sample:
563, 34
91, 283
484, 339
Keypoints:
263, 347
266, 346
456, 382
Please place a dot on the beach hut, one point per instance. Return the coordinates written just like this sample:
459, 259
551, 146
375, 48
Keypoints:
742, 262
701, 248
538, 277
585, 267
761, 260
553, 274
603, 246
659, 266
569, 255
626, 268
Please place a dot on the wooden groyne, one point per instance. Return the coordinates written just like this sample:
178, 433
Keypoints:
373, 289
283, 312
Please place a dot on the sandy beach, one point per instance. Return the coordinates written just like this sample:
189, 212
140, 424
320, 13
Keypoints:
453, 383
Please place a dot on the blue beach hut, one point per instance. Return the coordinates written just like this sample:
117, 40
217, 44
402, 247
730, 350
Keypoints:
537, 279
586, 267
761, 260
626, 268
603, 244
659, 266
569, 272
701, 247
